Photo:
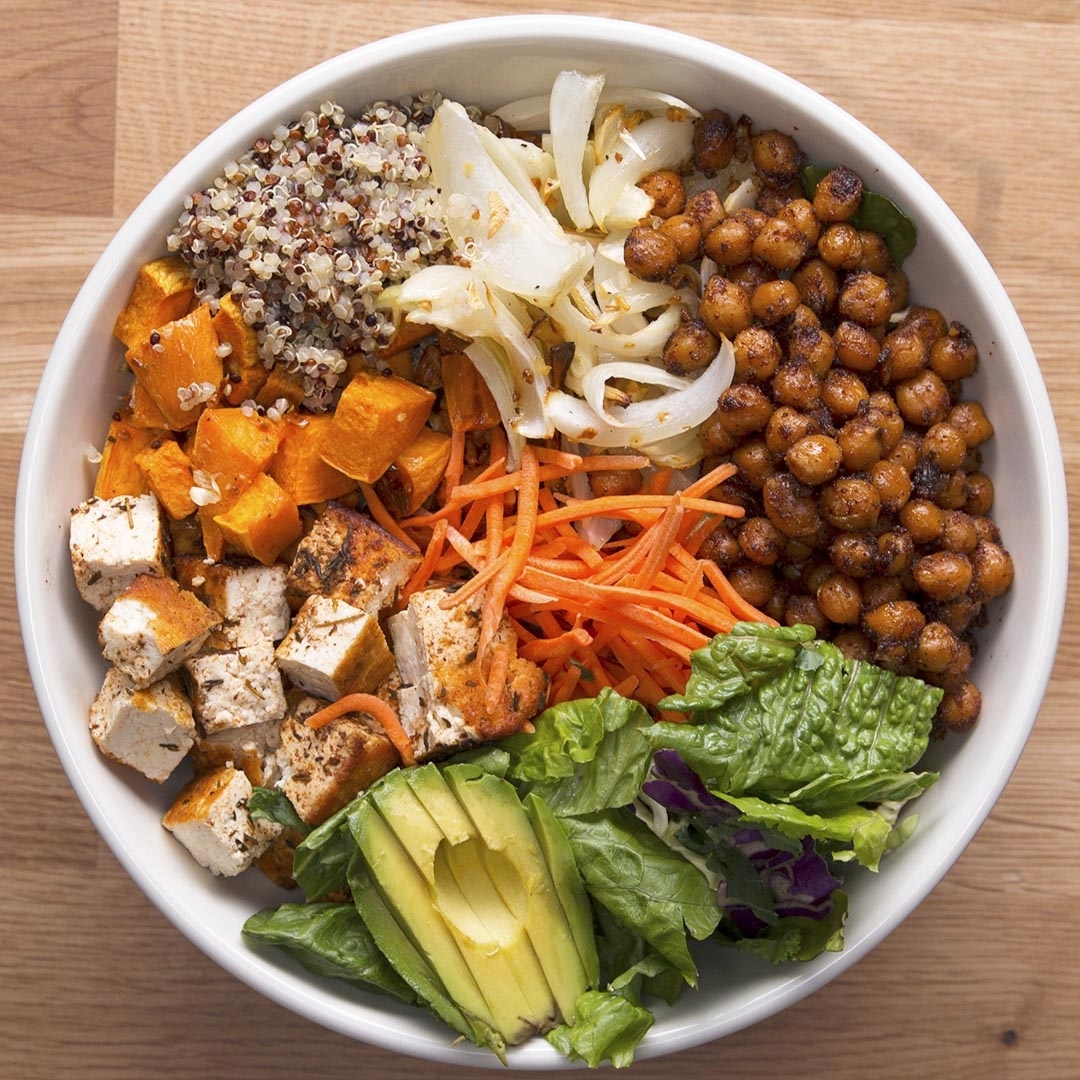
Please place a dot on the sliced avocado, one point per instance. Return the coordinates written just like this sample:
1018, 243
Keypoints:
519, 870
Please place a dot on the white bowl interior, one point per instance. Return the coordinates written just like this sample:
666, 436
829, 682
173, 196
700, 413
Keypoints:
491, 61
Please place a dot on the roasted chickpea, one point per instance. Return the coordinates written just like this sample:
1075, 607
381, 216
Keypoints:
690, 348
879, 589
792, 508
923, 400
865, 298
954, 356
755, 584
899, 286
721, 546
959, 533
815, 573
774, 300
744, 408
796, 384
838, 195
854, 554
803, 608
714, 142
707, 209
923, 520
906, 451
760, 541
818, 285
715, 438
729, 243
986, 528
861, 444
814, 459
896, 552
780, 245
785, 427
893, 485
938, 647
959, 614
666, 189
800, 213
970, 420
773, 199
776, 157
928, 322
840, 599
754, 461
856, 347
903, 354
725, 307
854, 644
839, 246
895, 620
851, 504
949, 489
876, 257
960, 708
992, 570
843, 393
749, 275
980, 494
943, 445
812, 346
757, 354
755, 218
615, 482
685, 233
649, 254
943, 575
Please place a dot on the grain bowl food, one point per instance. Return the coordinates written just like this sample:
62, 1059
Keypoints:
638, 463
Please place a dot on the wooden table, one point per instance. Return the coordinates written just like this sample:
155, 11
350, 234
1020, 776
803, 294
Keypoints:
100, 98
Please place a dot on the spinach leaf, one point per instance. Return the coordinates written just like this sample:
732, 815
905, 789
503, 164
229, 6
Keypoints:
272, 804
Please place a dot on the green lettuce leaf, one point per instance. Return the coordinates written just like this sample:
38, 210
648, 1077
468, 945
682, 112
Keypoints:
607, 1027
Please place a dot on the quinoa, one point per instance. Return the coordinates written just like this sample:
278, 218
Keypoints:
307, 228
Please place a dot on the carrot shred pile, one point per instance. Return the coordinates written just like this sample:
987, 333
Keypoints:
380, 711
626, 615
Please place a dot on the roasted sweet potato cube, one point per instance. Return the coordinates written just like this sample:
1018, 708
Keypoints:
298, 465
415, 474
262, 522
118, 472
376, 418
168, 473
234, 446
280, 384
144, 411
469, 403
179, 367
245, 372
163, 291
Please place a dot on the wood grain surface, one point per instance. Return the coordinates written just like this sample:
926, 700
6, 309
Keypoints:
100, 98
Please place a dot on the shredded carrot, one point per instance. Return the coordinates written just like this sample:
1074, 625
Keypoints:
384, 518
378, 710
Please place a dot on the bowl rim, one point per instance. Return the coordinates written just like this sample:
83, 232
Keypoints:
521, 29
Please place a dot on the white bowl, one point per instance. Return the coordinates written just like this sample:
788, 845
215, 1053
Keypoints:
491, 61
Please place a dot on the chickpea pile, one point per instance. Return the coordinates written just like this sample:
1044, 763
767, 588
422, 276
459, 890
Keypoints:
858, 461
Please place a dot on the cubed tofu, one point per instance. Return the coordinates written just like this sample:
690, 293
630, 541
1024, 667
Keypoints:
236, 688
250, 597
349, 557
150, 729
324, 768
210, 818
333, 649
251, 748
441, 700
114, 541
152, 627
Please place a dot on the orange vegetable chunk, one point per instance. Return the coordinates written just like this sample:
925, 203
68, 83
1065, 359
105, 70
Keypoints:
118, 472
377, 417
168, 473
262, 522
469, 402
415, 473
244, 370
298, 465
163, 291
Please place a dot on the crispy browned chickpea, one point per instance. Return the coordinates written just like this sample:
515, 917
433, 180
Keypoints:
856, 347
721, 546
797, 384
818, 285
775, 606
923, 400
744, 408
729, 243
707, 209
879, 589
690, 348
970, 419
776, 157
838, 194
839, 246
812, 346
854, 554
885, 414
893, 485
715, 438
803, 608
903, 354
923, 520
865, 298
761, 541
749, 275
800, 213
938, 647
959, 614
685, 234
986, 528
943, 575
854, 644
980, 494
843, 393
875, 253
666, 189
949, 489
725, 307
714, 142
786, 426
929, 322
895, 620
815, 573
615, 482
896, 552
840, 599
861, 444
649, 254
773, 199
959, 709
791, 507
754, 461
906, 451
954, 356
774, 300
899, 286
755, 584
780, 245
992, 571
757, 354
814, 459
959, 533
944, 446
755, 218
851, 503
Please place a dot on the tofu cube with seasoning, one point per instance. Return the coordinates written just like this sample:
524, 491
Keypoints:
114, 541
150, 729
252, 748
349, 557
210, 817
324, 768
235, 688
441, 699
333, 649
152, 627
249, 597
